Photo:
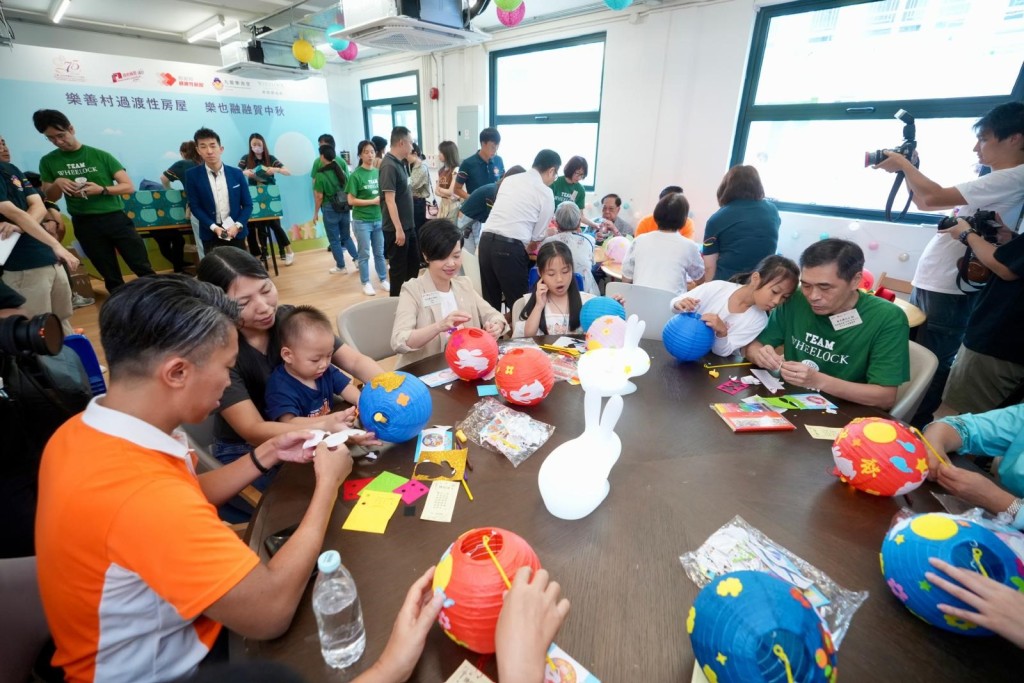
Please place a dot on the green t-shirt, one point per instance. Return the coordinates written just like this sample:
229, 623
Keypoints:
364, 184
178, 170
565, 191
316, 167
90, 163
876, 351
327, 183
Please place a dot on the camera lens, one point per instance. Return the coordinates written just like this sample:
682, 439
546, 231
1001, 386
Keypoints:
41, 335
873, 158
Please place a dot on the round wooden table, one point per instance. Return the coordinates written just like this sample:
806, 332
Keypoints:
682, 475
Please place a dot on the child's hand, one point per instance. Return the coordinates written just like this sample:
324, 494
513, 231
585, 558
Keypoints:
686, 305
409, 634
542, 294
367, 439
999, 607
343, 419
715, 323
621, 299
528, 622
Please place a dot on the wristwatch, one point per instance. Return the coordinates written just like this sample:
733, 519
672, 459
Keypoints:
1015, 507
965, 234
105, 191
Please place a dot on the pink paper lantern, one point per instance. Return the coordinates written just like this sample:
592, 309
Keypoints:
350, 52
514, 17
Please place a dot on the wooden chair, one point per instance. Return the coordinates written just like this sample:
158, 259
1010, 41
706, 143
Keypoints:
894, 284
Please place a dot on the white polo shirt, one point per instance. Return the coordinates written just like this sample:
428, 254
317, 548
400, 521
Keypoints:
523, 208
219, 185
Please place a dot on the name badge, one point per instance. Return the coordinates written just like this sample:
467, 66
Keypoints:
431, 299
841, 321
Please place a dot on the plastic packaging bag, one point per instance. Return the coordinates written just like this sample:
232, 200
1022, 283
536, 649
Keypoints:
498, 428
737, 545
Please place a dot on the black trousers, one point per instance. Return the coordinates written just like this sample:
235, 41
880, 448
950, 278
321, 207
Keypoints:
403, 261
256, 249
238, 242
172, 247
504, 269
105, 235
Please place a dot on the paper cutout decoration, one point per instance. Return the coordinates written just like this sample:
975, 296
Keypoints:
471, 353
598, 307
524, 376
411, 491
441, 465
573, 479
881, 457
732, 387
473, 584
687, 337
353, 487
385, 482
372, 512
395, 406
751, 627
975, 545
607, 371
607, 331
331, 440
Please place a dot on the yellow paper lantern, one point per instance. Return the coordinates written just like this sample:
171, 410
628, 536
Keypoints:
303, 50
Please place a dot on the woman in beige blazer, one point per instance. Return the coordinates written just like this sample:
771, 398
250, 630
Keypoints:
438, 301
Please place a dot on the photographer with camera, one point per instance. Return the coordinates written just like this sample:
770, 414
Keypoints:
938, 286
990, 363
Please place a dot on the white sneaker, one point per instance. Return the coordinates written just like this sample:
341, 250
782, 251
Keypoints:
385, 286
336, 269
289, 258
368, 290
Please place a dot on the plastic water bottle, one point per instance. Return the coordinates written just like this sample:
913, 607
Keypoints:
339, 616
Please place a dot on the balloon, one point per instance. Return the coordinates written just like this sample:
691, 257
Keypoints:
618, 5
514, 17
302, 50
508, 5
318, 60
349, 53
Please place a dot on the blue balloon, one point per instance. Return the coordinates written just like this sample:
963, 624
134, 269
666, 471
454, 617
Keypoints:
597, 307
687, 337
396, 406
618, 5
752, 627
337, 44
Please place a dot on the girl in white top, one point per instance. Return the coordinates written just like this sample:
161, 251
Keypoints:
737, 310
554, 307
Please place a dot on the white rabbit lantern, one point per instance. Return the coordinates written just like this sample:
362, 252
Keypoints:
574, 478
607, 371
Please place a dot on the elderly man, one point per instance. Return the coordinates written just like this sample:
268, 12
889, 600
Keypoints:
611, 223
567, 218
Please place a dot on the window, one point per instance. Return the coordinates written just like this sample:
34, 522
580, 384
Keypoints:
549, 96
391, 101
826, 77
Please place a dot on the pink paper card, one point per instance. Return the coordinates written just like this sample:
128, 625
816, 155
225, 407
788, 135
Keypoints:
732, 387
411, 491
353, 487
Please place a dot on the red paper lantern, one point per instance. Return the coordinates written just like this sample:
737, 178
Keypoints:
881, 457
524, 376
886, 294
473, 586
471, 353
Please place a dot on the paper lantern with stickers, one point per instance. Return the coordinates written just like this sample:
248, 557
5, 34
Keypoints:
980, 546
607, 332
471, 353
472, 576
615, 248
524, 376
752, 627
881, 457
597, 307
396, 406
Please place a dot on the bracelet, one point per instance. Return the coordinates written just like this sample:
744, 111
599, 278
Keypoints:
965, 234
256, 461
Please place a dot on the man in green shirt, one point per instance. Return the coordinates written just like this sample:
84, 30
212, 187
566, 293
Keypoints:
92, 182
832, 337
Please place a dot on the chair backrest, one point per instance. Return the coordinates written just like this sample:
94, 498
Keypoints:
517, 309
471, 267
909, 394
366, 326
81, 345
201, 438
894, 284
647, 303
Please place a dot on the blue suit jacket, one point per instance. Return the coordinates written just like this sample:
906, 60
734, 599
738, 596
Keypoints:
200, 199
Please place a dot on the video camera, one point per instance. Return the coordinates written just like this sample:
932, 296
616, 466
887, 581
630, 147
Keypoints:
906, 148
984, 222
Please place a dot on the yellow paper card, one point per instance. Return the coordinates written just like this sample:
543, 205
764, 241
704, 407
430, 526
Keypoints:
829, 433
372, 512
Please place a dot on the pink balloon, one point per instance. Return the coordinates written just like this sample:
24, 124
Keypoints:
867, 279
514, 17
350, 52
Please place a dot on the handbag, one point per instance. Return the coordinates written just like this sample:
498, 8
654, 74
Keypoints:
432, 209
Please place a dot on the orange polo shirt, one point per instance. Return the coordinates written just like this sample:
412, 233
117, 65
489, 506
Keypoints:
130, 552
647, 224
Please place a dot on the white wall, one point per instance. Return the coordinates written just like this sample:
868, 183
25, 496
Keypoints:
672, 86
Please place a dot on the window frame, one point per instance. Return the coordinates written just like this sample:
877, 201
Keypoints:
413, 100
749, 112
547, 118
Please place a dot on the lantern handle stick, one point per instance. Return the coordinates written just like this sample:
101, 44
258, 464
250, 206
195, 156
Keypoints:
504, 577
938, 456
470, 494
709, 366
784, 658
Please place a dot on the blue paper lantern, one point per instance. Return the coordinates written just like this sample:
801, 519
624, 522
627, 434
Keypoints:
752, 627
396, 406
962, 542
618, 5
687, 337
337, 44
597, 307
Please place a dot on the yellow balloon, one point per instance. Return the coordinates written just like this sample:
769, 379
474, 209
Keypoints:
303, 50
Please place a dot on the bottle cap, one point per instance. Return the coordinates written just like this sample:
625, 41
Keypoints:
329, 561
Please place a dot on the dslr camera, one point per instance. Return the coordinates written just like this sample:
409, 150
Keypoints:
984, 223
906, 148
40, 335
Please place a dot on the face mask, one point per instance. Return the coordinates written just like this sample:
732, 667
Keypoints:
257, 149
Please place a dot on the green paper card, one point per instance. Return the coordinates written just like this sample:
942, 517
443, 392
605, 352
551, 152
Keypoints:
386, 482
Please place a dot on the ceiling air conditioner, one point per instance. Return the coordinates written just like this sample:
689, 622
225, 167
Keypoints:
408, 25
250, 61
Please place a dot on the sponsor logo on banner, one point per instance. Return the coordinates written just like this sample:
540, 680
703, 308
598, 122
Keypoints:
123, 76
167, 79
218, 84
65, 69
